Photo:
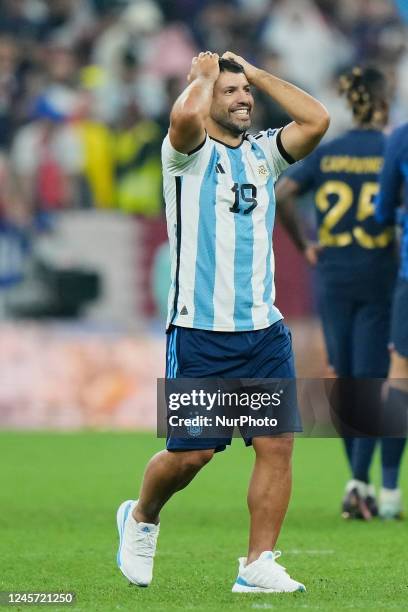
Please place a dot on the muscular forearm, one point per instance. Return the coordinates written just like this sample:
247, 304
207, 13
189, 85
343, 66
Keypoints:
289, 219
300, 106
195, 100
286, 191
192, 107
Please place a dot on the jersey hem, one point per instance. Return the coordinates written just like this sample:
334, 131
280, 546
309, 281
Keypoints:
208, 327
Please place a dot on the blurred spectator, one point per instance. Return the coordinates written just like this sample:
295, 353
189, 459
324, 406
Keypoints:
377, 33
215, 26
133, 29
177, 10
130, 84
47, 155
14, 234
311, 49
8, 89
137, 162
175, 43
66, 22
20, 18
97, 185
12, 208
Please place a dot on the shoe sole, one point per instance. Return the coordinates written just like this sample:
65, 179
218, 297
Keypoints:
121, 516
240, 588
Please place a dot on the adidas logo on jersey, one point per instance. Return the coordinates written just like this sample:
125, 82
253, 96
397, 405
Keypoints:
219, 169
184, 311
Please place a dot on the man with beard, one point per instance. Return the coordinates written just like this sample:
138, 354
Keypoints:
222, 322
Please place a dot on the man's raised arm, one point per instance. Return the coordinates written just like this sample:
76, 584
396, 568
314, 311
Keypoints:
192, 107
310, 117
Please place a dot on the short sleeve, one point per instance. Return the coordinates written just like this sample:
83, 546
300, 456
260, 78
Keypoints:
277, 157
304, 173
177, 163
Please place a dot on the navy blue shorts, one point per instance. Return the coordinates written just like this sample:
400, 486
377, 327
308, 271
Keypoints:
356, 333
197, 353
399, 321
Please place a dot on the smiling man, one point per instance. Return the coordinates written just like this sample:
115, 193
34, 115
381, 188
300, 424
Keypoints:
222, 322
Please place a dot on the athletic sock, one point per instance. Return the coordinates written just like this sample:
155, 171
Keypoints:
394, 421
395, 414
391, 454
348, 447
363, 450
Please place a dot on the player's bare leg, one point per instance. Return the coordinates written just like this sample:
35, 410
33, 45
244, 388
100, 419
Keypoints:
166, 473
268, 498
138, 520
269, 492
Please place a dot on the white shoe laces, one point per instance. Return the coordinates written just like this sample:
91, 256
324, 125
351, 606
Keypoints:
277, 566
144, 542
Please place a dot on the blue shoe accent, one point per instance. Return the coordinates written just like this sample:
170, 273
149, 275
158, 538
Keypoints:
126, 513
147, 529
243, 582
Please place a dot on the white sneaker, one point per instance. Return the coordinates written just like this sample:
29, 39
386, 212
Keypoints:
390, 506
265, 576
137, 545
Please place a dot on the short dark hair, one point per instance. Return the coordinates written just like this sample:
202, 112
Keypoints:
230, 65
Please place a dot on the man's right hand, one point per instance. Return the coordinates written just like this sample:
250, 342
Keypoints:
205, 66
311, 252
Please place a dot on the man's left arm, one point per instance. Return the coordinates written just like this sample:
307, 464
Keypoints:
310, 118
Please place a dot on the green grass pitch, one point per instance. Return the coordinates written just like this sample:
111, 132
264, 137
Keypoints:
58, 499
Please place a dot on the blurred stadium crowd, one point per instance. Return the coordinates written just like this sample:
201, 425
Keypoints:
86, 87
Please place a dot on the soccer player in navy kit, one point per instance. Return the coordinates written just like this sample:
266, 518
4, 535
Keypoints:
219, 192
393, 196
356, 264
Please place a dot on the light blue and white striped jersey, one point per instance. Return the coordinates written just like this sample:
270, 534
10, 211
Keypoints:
220, 208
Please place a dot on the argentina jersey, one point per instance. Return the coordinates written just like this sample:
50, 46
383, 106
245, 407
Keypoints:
220, 209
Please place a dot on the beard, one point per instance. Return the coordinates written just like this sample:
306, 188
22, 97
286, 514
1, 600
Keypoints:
235, 127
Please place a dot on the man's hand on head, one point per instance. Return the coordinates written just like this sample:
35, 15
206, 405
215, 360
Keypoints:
192, 107
250, 70
205, 65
